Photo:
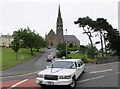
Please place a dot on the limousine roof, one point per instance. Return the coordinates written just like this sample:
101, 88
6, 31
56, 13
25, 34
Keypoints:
72, 60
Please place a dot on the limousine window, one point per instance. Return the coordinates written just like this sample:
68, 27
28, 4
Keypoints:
81, 63
61, 64
78, 64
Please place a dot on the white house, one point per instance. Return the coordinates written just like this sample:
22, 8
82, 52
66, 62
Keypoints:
5, 40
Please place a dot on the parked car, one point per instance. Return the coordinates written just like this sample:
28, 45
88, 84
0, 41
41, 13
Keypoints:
61, 72
48, 47
53, 54
50, 58
77, 51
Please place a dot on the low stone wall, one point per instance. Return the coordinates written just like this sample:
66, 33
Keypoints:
106, 60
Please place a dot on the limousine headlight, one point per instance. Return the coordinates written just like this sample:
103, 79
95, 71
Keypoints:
40, 75
65, 77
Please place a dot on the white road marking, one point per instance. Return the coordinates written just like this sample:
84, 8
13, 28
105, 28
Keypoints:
22, 74
90, 79
17, 84
101, 71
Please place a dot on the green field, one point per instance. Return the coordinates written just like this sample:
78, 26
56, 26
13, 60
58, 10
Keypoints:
80, 56
9, 57
76, 55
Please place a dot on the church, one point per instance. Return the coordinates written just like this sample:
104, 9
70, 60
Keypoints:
53, 39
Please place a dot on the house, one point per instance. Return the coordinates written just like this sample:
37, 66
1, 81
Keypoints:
5, 40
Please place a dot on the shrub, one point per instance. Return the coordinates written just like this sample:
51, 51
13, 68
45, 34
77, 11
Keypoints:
70, 45
73, 49
61, 53
84, 59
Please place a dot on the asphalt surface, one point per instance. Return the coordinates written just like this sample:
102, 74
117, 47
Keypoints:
102, 75
96, 75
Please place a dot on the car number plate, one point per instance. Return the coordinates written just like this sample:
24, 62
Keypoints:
50, 83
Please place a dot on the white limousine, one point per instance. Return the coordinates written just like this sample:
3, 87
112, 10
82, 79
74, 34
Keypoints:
61, 72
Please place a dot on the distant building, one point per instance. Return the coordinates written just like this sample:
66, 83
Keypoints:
5, 40
72, 39
55, 39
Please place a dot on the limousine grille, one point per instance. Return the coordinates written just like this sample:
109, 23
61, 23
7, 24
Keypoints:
51, 77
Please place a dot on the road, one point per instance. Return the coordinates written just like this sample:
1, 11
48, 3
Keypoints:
96, 75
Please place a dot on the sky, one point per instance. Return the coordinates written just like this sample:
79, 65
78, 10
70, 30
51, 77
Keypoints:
41, 15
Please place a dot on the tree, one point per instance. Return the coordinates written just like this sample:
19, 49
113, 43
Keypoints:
15, 45
100, 26
108, 36
83, 48
114, 40
62, 50
28, 38
39, 42
86, 23
91, 51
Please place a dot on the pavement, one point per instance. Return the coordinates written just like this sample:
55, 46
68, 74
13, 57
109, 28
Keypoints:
24, 68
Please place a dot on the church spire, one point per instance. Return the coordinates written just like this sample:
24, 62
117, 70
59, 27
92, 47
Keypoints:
59, 26
59, 18
59, 13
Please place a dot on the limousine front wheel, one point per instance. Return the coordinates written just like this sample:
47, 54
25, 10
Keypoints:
72, 85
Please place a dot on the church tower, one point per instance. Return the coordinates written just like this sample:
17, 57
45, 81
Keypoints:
59, 27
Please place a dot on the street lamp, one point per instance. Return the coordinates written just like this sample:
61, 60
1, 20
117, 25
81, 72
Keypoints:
66, 42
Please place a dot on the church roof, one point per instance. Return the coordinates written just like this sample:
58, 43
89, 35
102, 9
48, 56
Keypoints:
70, 38
51, 32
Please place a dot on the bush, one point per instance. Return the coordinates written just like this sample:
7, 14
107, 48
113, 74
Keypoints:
61, 46
73, 49
70, 45
84, 59
91, 52
58, 54
61, 53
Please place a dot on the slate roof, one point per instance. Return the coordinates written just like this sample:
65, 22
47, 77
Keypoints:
70, 38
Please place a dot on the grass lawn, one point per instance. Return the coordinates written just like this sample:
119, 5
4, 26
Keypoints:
9, 57
76, 55
80, 56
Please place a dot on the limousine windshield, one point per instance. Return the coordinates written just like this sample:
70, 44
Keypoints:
62, 64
